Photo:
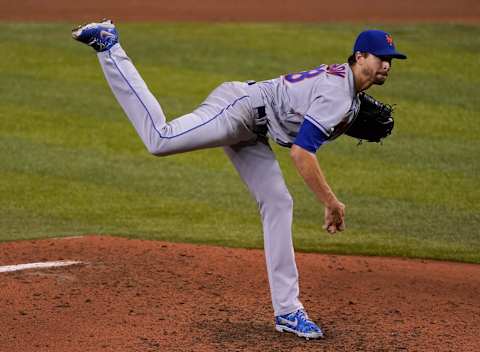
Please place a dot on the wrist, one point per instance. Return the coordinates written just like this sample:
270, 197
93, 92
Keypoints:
330, 200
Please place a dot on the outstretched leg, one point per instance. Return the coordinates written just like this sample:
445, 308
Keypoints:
259, 169
224, 118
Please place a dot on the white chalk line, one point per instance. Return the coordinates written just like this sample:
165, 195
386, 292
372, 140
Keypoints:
40, 265
66, 238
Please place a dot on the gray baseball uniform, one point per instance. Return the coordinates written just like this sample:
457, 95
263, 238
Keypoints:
232, 117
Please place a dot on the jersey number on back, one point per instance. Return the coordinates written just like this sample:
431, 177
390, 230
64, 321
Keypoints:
336, 70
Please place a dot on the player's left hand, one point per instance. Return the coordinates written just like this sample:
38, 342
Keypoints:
334, 217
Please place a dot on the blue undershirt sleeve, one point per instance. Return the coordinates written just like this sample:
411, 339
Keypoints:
310, 137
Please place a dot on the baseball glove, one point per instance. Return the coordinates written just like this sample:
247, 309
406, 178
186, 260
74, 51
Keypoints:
373, 122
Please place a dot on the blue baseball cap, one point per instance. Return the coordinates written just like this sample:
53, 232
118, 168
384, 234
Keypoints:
378, 43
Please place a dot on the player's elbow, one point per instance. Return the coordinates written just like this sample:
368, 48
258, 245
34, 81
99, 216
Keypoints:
298, 154
294, 152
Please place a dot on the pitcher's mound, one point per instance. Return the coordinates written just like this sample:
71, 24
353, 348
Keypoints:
134, 295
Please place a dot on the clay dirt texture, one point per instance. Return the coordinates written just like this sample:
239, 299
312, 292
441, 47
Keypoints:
138, 295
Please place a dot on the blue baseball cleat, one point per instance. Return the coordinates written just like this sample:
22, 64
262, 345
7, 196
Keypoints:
100, 36
299, 324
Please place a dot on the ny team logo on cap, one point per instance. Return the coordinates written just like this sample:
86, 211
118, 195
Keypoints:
389, 39
377, 42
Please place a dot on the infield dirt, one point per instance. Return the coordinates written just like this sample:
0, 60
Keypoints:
136, 295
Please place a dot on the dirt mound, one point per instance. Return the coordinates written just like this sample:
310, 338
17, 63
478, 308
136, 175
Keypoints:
136, 295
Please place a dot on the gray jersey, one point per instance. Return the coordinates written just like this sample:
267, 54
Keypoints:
228, 117
325, 96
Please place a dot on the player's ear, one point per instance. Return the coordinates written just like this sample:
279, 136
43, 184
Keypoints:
359, 56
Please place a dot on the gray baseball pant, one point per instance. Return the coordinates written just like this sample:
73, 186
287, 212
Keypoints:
225, 119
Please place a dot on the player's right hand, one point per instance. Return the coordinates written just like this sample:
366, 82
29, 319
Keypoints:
334, 217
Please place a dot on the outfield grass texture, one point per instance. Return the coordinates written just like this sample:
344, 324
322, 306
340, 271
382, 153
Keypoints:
72, 164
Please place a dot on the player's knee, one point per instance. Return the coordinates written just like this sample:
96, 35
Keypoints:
152, 149
286, 201
276, 201
156, 150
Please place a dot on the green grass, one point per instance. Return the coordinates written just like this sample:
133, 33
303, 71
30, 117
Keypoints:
72, 164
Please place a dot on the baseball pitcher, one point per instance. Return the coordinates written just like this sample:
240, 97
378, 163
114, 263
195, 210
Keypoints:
301, 111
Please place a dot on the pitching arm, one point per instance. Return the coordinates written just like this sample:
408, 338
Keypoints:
309, 139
